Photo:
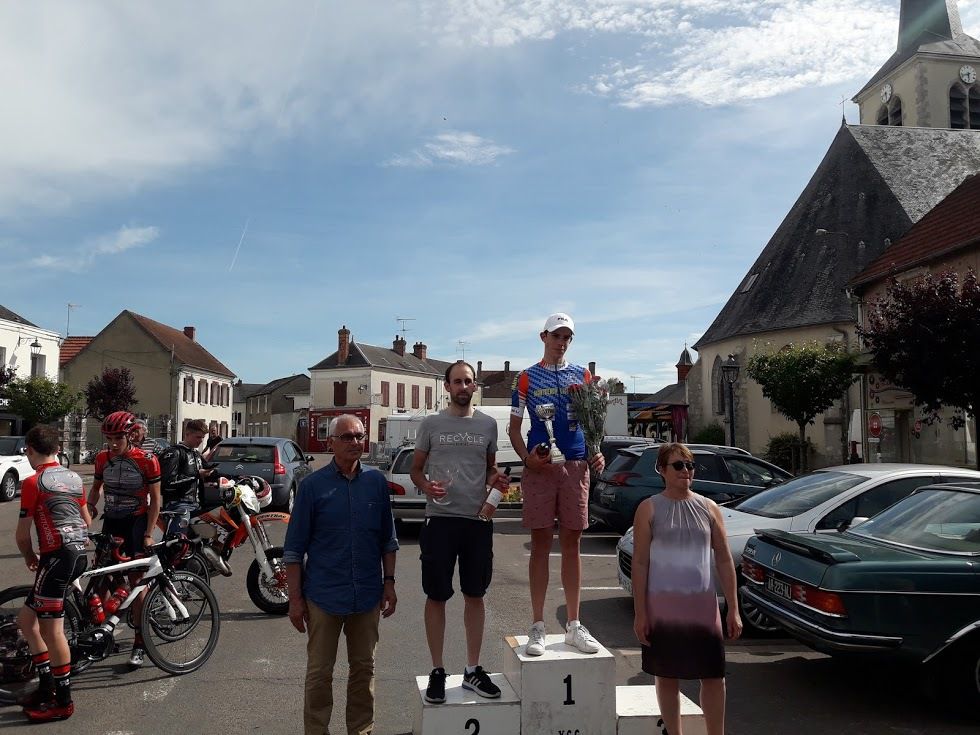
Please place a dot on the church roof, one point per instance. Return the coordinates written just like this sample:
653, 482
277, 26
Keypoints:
950, 226
926, 27
873, 183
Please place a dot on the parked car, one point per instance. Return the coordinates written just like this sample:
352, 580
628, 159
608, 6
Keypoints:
159, 444
903, 586
278, 461
723, 474
408, 502
14, 467
825, 501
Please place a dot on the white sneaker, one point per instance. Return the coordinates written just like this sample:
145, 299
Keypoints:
136, 657
578, 635
535, 640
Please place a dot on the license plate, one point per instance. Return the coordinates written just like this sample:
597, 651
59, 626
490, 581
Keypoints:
779, 587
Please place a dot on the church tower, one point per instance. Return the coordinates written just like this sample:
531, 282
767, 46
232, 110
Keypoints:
931, 81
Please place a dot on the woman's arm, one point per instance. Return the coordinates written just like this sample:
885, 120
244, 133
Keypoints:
726, 571
640, 569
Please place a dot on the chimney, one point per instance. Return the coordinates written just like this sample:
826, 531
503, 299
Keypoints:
418, 349
343, 345
190, 333
479, 368
399, 346
506, 366
592, 368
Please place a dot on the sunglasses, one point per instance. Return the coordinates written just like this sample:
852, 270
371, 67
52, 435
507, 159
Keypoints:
682, 465
350, 437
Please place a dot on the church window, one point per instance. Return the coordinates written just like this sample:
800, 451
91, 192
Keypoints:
964, 107
717, 388
890, 114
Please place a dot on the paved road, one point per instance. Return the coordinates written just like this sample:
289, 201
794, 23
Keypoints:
253, 683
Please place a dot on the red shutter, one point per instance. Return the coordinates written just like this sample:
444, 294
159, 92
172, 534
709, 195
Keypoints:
340, 393
415, 396
400, 395
385, 393
428, 396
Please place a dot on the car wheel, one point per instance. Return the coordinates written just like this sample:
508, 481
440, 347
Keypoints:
8, 487
754, 621
964, 675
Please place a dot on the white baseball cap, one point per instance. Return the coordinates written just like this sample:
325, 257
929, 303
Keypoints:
557, 321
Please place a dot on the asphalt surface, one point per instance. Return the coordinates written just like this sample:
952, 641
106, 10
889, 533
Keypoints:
254, 680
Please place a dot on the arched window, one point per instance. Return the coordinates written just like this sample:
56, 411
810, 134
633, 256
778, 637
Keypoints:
882, 117
717, 387
890, 114
964, 107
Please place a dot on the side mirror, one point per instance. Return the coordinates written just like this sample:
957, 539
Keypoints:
22, 451
309, 457
844, 525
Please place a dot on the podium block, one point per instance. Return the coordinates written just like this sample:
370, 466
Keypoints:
466, 712
637, 712
564, 691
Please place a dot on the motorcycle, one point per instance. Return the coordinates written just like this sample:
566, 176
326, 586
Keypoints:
226, 527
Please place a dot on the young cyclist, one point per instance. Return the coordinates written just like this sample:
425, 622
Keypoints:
131, 479
53, 501
181, 471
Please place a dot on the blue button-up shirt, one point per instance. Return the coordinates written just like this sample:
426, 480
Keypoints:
341, 528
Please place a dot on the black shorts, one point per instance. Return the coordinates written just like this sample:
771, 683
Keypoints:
55, 571
130, 529
443, 540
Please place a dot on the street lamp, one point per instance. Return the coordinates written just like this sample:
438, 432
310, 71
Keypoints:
730, 369
35, 348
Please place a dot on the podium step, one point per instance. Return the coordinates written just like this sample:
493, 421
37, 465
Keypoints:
467, 712
638, 713
563, 691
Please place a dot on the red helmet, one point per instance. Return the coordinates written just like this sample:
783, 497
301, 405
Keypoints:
119, 422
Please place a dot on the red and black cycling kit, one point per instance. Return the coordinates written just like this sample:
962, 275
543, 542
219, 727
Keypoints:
126, 480
53, 498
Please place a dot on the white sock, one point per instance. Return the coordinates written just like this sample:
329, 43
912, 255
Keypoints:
572, 624
471, 669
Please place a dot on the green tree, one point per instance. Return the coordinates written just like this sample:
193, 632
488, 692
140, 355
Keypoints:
923, 336
615, 387
39, 400
6, 375
114, 390
803, 380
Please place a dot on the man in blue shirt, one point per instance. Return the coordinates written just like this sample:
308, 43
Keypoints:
340, 564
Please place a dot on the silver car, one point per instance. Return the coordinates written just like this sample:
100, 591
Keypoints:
824, 501
278, 461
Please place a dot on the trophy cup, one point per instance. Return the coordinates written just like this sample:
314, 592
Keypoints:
546, 412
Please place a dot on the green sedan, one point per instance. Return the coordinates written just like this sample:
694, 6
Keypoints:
903, 586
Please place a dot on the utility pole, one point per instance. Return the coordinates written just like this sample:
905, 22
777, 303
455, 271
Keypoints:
634, 377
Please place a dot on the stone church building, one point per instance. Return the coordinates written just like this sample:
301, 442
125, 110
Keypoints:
918, 139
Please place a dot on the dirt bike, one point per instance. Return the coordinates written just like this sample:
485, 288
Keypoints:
223, 529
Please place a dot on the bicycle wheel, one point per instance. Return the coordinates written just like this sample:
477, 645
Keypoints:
197, 564
13, 644
270, 595
189, 641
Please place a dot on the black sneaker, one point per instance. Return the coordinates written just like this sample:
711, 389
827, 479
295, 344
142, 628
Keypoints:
435, 693
479, 682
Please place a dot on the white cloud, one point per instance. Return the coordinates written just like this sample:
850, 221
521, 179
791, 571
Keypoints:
454, 148
123, 239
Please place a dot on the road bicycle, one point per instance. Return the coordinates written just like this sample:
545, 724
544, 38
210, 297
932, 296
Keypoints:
180, 619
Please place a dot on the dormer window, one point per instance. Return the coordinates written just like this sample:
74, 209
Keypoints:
890, 114
964, 107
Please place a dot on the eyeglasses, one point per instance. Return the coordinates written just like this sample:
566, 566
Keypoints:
681, 465
349, 437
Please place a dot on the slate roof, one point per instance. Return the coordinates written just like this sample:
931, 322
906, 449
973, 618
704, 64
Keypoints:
70, 347
365, 355
10, 316
243, 391
951, 225
497, 383
873, 183
672, 395
926, 27
302, 384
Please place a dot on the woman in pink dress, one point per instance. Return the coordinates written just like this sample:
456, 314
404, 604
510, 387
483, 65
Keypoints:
676, 611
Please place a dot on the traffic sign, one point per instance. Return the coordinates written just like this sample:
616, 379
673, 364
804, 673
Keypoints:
874, 425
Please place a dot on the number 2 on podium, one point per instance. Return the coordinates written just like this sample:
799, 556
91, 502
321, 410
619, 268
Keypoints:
568, 690
476, 726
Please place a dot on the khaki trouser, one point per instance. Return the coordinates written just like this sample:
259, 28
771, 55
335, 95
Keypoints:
361, 631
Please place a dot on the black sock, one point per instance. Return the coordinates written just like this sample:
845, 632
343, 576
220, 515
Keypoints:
42, 664
62, 684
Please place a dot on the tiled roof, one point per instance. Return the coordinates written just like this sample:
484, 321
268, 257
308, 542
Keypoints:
10, 316
497, 383
951, 225
873, 183
301, 379
364, 355
71, 347
186, 350
241, 391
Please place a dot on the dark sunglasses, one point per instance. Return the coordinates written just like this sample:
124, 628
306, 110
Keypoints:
350, 437
681, 465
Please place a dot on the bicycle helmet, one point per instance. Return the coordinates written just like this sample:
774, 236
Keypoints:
263, 490
119, 422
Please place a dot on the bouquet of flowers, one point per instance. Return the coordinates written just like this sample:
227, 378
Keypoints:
589, 402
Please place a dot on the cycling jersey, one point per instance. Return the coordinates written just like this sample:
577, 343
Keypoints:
54, 497
543, 383
126, 480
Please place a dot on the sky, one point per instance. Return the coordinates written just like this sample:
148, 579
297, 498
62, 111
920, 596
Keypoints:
269, 172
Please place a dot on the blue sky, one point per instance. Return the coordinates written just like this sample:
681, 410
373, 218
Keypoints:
472, 165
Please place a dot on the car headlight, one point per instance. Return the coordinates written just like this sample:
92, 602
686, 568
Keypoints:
628, 537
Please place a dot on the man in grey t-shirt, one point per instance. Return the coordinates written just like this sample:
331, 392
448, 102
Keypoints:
455, 461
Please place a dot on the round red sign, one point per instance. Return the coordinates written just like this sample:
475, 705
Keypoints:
874, 425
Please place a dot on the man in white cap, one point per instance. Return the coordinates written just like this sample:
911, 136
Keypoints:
554, 491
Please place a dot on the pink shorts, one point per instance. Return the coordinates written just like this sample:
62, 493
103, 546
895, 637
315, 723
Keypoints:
561, 492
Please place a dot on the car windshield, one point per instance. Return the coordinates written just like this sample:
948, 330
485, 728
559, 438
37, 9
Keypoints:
939, 520
799, 494
243, 453
622, 462
8, 445
403, 463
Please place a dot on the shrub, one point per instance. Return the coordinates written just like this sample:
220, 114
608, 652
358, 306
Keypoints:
781, 450
710, 434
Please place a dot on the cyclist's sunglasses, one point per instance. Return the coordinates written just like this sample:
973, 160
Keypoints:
682, 465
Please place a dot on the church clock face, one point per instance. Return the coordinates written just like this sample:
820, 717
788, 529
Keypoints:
968, 74
886, 93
